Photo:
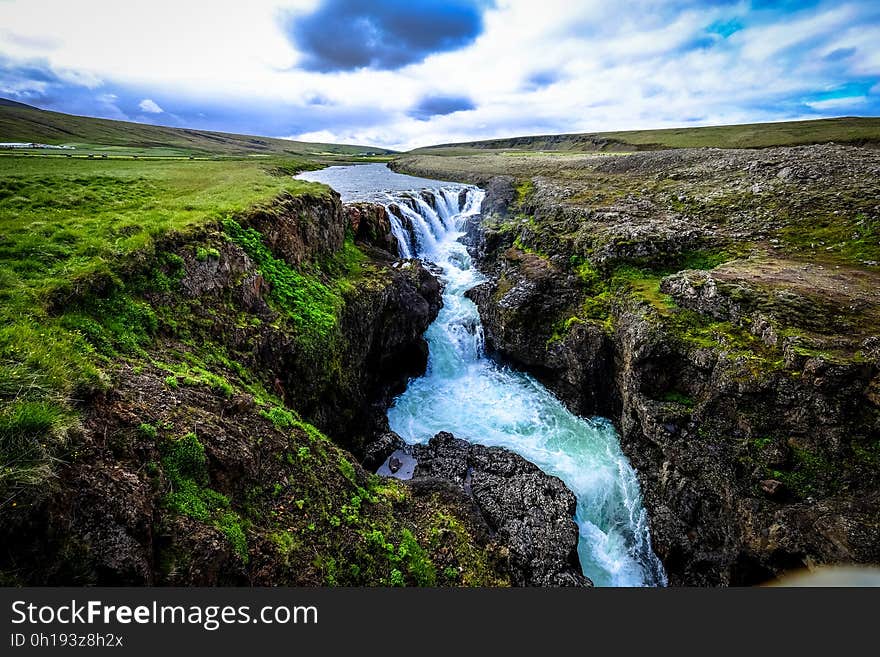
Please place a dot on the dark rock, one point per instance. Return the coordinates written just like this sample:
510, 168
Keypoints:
370, 224
529, 511
700, 463
514, 327
377, 451
772, 487
241, 404
297, 228
394, 464
500, 194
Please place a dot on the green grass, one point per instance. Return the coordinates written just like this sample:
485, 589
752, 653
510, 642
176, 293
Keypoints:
852, 240
754, 135
77, 250
28, 444
23, 123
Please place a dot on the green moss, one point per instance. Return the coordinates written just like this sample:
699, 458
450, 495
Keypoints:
148, 431
418, 565
284, 418
281, 417
762, 443
396, 578
523, 191
810, 472
311, 305
204, 253
703, 332
852, 238
186, 470
347, 470
285, 541
230, 524
474, 566
678, 397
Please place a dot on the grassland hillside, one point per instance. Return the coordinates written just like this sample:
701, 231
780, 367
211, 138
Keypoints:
845, 130
23, 123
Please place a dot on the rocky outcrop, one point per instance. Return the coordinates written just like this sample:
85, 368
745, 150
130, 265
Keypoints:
528, 512
746, 399
370, 224
297, 228
514, 329
376, 345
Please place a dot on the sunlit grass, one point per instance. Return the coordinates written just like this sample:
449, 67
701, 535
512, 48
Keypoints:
68, 230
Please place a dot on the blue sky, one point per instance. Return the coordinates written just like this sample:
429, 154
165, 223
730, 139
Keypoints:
408, 73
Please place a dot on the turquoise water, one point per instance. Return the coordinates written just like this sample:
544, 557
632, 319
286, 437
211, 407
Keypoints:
479, 400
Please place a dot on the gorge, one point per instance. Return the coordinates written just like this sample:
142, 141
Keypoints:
476, 398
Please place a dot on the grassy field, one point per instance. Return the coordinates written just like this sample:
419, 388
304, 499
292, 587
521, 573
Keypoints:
78, 251
755, 135
69, 230
22, 123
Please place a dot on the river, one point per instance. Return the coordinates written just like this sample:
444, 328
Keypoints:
476, 398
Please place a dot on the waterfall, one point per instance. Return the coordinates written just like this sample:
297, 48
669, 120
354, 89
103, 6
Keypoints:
480, 400
430, 225
403, 240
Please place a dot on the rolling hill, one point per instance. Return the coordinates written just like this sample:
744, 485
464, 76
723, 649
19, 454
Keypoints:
20, 122
852, 130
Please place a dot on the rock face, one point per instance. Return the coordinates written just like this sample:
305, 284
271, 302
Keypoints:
529, 512
297, 228
370, 225
345, 386
209, 471
745, 393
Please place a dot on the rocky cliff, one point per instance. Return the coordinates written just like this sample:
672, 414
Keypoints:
721, 307
251, 363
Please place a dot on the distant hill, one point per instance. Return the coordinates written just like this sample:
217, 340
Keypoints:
853, 130
20, 122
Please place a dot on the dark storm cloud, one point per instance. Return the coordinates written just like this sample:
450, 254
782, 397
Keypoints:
439, 105
343, 35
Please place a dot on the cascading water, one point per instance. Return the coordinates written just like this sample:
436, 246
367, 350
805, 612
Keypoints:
477, 399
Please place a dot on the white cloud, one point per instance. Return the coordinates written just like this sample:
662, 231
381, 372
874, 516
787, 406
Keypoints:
150, 106
618, 67
836, 103
321, 136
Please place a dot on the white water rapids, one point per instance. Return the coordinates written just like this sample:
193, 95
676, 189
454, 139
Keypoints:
477, 399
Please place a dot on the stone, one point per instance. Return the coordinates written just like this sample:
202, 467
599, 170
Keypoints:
772, 487
530, 512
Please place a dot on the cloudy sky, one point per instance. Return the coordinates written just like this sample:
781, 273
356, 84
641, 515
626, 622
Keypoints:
407, 73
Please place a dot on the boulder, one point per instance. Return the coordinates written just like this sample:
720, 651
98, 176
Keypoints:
530, 512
